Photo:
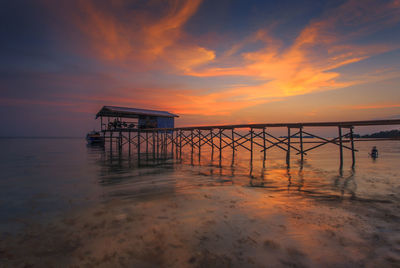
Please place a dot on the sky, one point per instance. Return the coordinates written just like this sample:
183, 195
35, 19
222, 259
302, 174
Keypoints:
210, 62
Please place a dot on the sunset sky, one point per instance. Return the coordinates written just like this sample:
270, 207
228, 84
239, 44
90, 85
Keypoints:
211, 62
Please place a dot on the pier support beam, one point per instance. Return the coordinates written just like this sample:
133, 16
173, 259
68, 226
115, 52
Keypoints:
212, 145
129, 142
180, 144
191, 144
264, 148
233, 147
251, 145
138, 145
111, 135
120, 142
220, 147
288, 147
158, 145
340, 146
353, 157
199, 144
147, 146
301, 143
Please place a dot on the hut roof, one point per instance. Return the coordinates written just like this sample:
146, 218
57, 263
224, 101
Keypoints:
114, 111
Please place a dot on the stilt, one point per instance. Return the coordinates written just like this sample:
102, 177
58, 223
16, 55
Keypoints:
138, 145
220, 147
192, 145
251, 145
233, 147
352, 147
180, 144
301, 144
199, 144
111, 135
212, 145
129, 142
264, 148
165, 144
340, 146
288, 148
147, 145
172, 144
176, 145
191, 141
120, 142
154, 144
158, 146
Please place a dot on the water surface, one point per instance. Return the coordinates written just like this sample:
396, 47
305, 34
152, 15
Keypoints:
92, 206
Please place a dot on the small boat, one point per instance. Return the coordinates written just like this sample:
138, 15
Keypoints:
94, 137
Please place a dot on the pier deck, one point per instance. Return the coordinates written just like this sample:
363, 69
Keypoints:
171, 141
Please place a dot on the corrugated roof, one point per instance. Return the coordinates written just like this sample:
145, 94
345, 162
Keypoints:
131, 112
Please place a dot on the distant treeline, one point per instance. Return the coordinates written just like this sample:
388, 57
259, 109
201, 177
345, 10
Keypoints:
298, 137
395, 133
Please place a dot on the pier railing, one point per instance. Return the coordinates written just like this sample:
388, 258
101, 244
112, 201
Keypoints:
158, 142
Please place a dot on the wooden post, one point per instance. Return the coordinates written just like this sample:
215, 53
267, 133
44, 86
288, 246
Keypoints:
251, 145
212, 145
180, 144
264, 148
129, 142
340, 146
220, 147
265, 151
104, 139
301, 144
147, 145
120, 141
288, 148
161, 144
176, 143
233, 146
352, 147
138, 145
158, 146
172, 144
154, 144
191, 141
199, 144
101, 123
165, 144
111, 135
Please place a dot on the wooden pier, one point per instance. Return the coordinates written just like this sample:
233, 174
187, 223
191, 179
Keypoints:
158, 143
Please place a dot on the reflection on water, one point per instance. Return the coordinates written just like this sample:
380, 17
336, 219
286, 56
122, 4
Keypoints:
312, 178
40, 176
237, 213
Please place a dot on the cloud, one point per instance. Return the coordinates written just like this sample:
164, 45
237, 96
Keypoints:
310, 63
151, 37
147, 35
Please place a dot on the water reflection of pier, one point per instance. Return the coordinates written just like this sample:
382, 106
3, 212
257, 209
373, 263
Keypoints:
161, 143
124, 178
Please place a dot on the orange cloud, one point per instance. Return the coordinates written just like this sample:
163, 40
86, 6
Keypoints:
138, 39
135, 37
309, 64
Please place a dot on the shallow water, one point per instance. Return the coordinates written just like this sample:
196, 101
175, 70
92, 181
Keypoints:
71, 198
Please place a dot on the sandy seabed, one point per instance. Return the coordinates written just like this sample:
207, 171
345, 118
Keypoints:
225, 226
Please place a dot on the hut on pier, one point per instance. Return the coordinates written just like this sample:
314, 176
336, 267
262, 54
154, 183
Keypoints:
120, 118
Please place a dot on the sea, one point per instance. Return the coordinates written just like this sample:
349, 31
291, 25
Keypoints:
64, 203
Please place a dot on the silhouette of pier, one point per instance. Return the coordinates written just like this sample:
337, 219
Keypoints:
223, 139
